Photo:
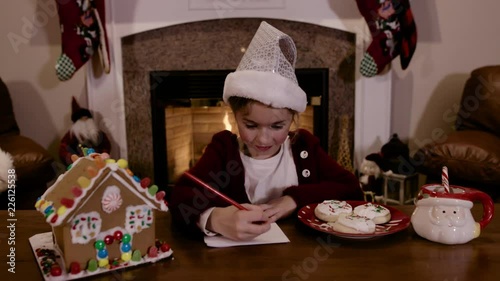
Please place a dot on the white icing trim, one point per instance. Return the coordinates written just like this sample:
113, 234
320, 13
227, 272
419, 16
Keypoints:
97, 230
135, 189
143, 208
113, 166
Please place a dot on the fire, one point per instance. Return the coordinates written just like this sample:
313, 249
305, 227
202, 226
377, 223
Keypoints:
226, 122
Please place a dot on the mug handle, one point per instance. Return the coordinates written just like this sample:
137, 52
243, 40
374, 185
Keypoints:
488, 206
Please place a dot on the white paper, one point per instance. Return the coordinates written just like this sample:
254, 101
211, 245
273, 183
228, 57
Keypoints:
273, 236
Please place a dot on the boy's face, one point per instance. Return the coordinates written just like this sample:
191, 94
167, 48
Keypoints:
263, 129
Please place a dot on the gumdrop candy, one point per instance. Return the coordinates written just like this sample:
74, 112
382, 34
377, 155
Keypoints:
92, 266
74, 268
136, 255
153, 252
153, 189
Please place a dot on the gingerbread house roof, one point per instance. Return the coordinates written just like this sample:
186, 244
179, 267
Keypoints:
70, 192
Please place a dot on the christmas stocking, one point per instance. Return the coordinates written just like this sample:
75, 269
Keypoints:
393, 32
83, 33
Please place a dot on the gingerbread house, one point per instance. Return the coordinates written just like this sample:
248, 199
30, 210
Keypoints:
103, 216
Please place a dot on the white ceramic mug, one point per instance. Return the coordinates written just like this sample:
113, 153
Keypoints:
446, 218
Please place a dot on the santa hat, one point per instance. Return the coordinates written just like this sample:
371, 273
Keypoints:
77, 112
266, 72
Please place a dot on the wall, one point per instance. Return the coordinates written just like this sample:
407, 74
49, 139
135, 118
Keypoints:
372, 117
455, 36
177, 47
29, 48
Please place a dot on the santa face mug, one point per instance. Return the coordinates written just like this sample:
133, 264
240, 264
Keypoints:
445, 217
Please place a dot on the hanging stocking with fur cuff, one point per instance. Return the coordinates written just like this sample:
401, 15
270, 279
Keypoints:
393, 32
82, 34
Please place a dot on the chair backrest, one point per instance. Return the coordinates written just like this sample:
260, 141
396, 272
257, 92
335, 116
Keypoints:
8, 124
480, 104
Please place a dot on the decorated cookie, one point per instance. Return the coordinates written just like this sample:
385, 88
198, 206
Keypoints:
329, 210
378, 213
351, 223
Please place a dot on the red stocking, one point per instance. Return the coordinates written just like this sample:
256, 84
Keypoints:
82, 34
393, 32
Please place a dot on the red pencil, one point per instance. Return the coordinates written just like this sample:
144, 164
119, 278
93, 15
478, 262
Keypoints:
227, 199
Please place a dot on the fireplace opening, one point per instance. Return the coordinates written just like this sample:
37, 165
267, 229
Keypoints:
187, 110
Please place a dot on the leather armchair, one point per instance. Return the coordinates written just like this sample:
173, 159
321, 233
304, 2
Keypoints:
32, 162
472, 152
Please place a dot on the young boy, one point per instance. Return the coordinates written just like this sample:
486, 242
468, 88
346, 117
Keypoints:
270, 169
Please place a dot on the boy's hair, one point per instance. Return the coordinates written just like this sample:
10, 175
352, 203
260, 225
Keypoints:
237, 104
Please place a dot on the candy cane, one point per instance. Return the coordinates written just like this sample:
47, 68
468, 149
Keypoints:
444, 178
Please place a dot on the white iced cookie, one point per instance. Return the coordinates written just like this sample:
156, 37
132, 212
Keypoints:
379, 214
351, 223
329, 210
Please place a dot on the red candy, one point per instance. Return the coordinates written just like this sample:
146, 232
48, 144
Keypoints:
118, 235
153, 252
68, 203
77, 191
108, 239
145, 182
55, 270
164, 247
74, 268
53, 219
160, 195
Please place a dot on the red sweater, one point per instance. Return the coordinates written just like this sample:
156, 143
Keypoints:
320, 177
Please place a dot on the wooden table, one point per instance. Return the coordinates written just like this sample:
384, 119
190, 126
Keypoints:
310, 255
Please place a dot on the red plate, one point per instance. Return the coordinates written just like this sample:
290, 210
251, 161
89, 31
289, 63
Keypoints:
399, 221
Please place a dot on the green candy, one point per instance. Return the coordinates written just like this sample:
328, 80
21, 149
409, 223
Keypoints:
92, 266
136, 255
153, 189
99, 244
126, 238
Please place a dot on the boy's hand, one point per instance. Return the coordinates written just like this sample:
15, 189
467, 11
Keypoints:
279, 208
239, 224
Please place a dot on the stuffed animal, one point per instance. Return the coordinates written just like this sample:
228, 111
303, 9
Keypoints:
387, 161
371, 170
84, 134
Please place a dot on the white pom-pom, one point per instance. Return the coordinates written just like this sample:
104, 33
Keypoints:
6, 164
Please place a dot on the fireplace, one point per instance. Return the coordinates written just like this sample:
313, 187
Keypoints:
187, 109
196, 48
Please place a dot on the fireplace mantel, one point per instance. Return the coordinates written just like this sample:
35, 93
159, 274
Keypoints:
127, 17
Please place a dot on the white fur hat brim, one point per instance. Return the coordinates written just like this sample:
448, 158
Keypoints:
266, 87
